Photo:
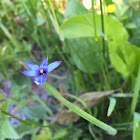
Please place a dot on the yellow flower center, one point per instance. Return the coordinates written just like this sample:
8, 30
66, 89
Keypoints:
42, 72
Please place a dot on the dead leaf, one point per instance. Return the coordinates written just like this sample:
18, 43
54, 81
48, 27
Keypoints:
90, 98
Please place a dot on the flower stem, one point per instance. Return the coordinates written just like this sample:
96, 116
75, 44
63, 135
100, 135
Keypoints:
79, 111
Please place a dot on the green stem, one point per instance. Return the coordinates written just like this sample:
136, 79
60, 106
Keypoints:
102, 22
93, 12
79, 111
23, 121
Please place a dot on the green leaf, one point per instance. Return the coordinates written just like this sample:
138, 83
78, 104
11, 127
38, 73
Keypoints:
82, 52
78, 26
3, 118
9, 131
136, 124
75, 8
111, 105
77, 110
83, 26
125, 58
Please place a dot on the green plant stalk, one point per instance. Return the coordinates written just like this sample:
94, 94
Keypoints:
43, 104
102, 22
105, 72
23, 121
136, 94
93, 12
80, 112
106, 47
52, 9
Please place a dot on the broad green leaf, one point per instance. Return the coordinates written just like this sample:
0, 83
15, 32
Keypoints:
115, 32
77, 110
85, 54
9, 131
79, 26
83, 26
111, 105
125, 58
75, 8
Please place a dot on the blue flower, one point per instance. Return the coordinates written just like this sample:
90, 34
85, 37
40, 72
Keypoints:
41, 72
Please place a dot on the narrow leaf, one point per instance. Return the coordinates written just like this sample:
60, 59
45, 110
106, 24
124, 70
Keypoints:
111, 105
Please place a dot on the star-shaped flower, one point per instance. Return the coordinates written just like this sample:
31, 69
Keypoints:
41, 72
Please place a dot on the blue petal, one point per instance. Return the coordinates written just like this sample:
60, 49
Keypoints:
30, 73
40, 79
53, 65
44, 64
32, 66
